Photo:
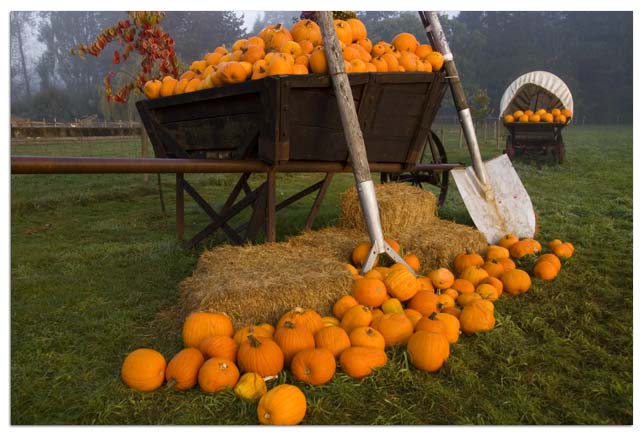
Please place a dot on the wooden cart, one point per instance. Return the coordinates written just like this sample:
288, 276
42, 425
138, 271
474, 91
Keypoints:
542, 138
292, 124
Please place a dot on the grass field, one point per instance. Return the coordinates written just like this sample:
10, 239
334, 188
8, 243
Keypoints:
95, 269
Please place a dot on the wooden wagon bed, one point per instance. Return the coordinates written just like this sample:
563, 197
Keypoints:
291, 123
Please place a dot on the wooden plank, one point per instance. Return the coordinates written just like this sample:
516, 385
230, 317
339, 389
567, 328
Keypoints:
179, 205
270, 206
258, 217
205, 206
215, 107
315, 208
220, 133
269, 122
224, 217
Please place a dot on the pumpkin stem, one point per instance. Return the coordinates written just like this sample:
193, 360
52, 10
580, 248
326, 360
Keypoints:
254, 342
289, 324
433, 314
170, 384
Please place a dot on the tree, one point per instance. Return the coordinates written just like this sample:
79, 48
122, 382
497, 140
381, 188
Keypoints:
197, 33
20, 22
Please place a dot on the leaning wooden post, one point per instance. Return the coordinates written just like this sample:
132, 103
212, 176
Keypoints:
355, 143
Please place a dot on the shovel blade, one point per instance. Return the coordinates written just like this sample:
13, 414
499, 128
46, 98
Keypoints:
506, 209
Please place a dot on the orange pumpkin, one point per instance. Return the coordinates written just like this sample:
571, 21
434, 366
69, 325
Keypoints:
344, 31
266, 330
452, 326
516, 281
318, 64
200, 325
333, 338
143, 369
463, 286
367, 337
564, 250
307, 30
292, 338
343, 304
431, 324
309, 318
260, 355
509, 239
424, 302
370, 292
487, 291
182, 370
413, 261
152, 88
313, 365
219, 346
359, 315
428, 350
463, 260
285, 404
396, 328
494, 268
477, 317
441, 278
545, 270
218, 374
413, 315
405, 42
425, 284
401, 284
359, 362
474, 274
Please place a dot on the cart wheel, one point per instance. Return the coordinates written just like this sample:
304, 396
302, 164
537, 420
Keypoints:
440, 179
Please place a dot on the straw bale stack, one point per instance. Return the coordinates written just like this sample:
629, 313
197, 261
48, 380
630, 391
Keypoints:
258, 283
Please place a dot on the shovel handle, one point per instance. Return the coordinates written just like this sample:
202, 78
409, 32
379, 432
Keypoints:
438, 40
352, 131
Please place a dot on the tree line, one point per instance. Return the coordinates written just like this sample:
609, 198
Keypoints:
591, 51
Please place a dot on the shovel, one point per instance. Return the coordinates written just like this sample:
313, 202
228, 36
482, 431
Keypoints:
355, 143
492, 191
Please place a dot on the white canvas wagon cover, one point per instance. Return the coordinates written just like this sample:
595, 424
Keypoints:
536, 90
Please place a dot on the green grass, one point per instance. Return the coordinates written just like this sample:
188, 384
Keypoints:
95, 269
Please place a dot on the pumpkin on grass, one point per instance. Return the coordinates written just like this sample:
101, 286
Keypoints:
292, 338
143, 369
183, 369
359, 362
333, 338
369, 291
359, 315
402, 284
217, 374
428, 350
309, 318
313, 365
516, 281
201, 325
367, 337
452, 326
477, 317
396, 328
219, 346
282, 405
261, 355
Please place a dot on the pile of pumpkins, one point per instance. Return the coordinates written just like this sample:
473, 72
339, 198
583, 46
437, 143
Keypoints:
539, 116
386, 307
277, 50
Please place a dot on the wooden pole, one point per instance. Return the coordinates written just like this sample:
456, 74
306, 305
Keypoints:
350, 123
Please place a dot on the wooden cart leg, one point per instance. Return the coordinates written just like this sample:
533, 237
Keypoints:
318, 201
270, 207
179, 206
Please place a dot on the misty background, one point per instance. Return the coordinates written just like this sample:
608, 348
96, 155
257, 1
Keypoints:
591, 51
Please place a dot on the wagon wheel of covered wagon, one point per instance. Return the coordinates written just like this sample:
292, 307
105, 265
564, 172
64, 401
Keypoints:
440, 179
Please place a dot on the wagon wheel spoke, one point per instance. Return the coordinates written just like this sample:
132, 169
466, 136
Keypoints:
422, 179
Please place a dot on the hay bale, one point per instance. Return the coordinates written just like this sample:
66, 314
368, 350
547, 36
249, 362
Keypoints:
401, 206
437, 243
258, 283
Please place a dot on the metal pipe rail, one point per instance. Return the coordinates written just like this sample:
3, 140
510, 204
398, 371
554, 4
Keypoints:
101, 165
